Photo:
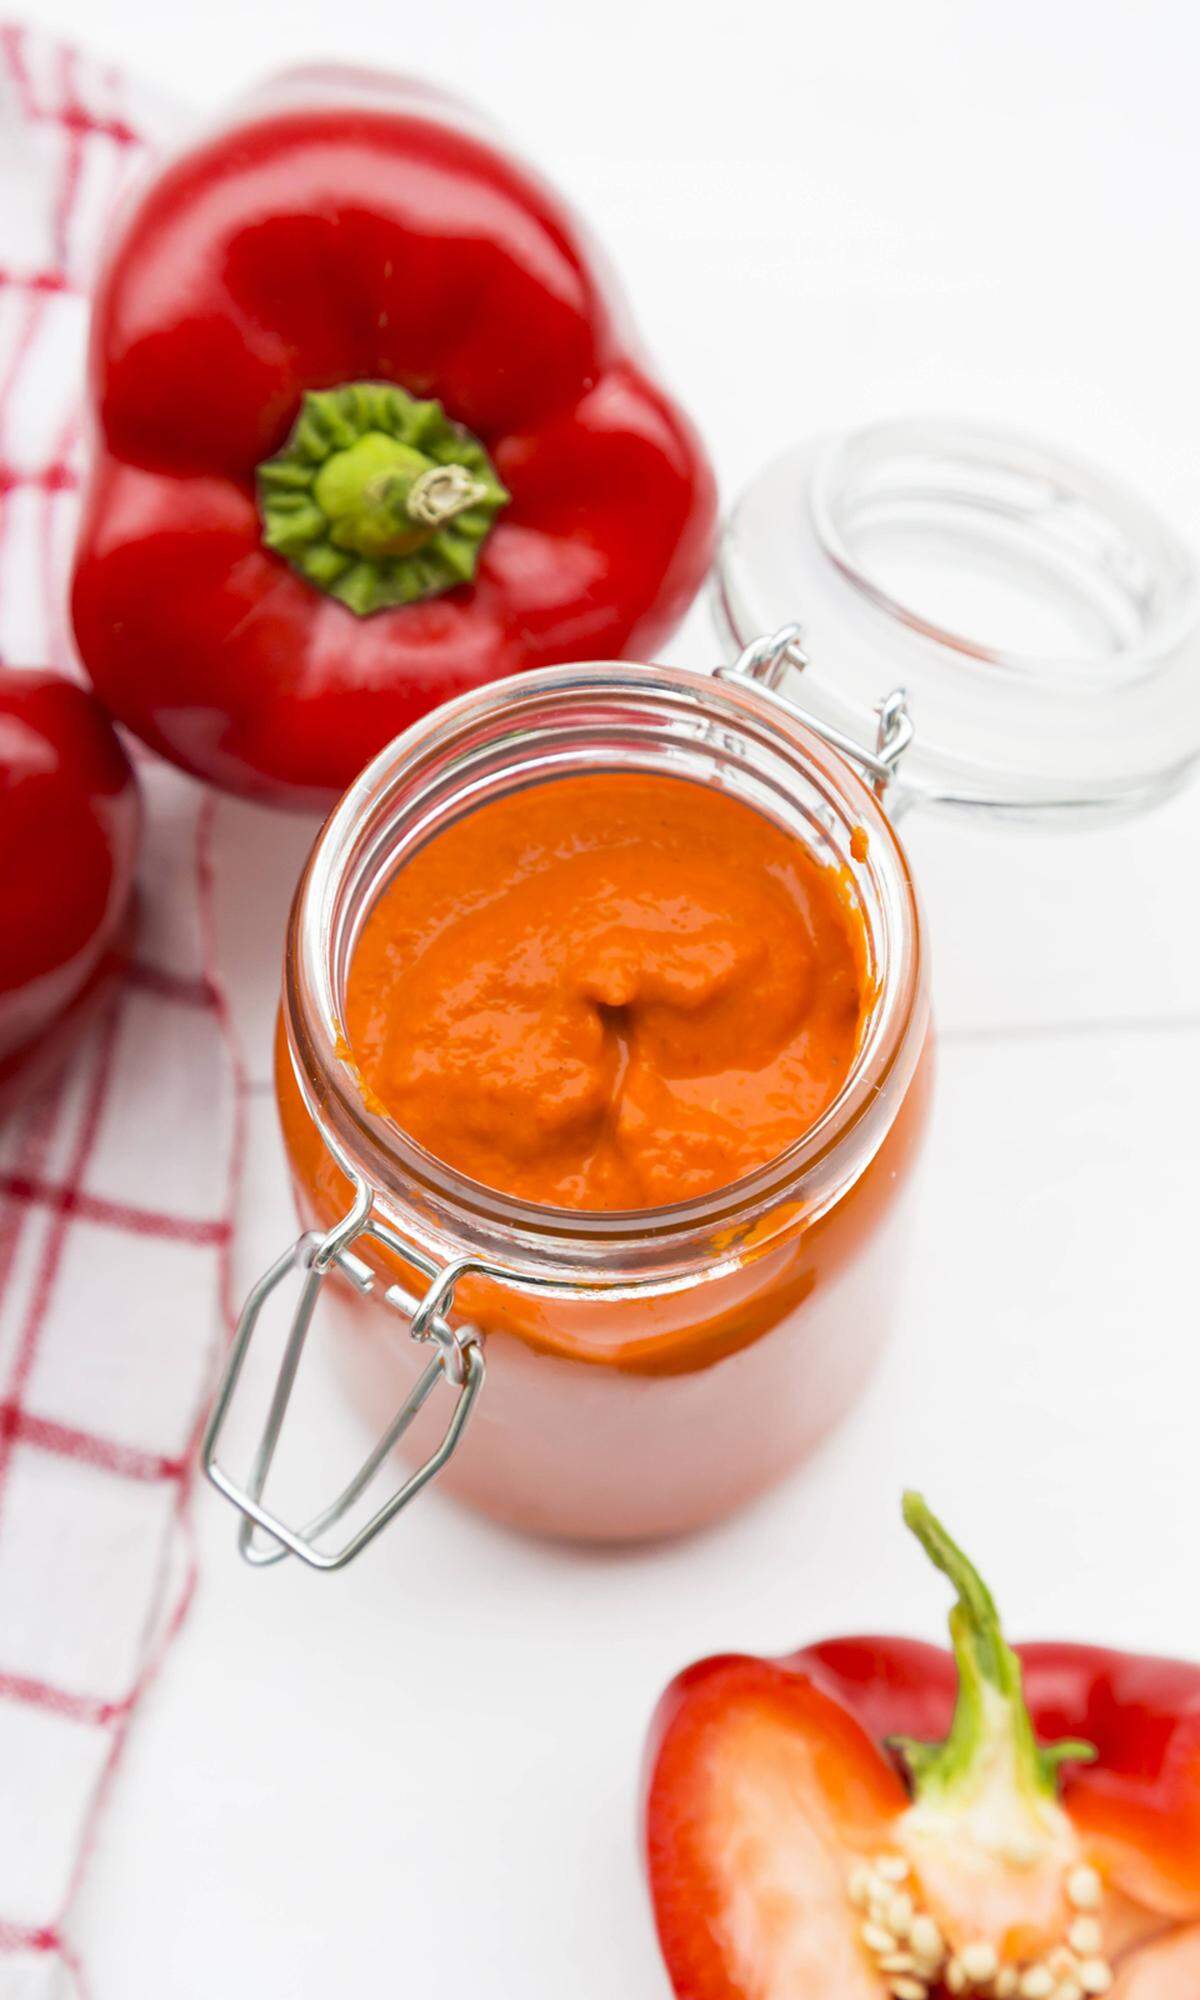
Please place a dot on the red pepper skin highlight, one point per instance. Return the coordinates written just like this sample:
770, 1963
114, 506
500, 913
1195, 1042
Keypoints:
359, 231
69, 825
729, 1880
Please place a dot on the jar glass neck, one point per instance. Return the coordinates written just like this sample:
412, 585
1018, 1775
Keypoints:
528, 732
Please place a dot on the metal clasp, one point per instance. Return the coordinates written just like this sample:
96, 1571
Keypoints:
458, 1361
764, 662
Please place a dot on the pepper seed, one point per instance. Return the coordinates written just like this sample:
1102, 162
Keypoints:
926, 1939
1037, 1983
979, 1962
1084, 1888
859, 1885
899, 1914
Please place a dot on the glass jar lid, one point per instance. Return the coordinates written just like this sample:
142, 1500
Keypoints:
1044, 621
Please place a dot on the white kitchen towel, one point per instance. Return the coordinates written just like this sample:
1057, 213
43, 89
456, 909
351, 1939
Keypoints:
117, 1184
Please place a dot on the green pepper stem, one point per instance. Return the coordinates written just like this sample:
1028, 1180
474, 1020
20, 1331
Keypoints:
377, 498
441, 493
991, 1716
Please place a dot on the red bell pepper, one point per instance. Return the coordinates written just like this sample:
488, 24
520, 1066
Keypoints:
875, 1816
368, 432
69, 824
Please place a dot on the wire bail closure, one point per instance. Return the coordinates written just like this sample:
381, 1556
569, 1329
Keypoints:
458, 1361
764, 661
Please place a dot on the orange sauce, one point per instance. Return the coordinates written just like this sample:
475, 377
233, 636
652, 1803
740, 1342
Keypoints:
609, 992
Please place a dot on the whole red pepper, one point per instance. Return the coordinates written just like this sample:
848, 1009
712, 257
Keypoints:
876, 1816
368, 432
69, 824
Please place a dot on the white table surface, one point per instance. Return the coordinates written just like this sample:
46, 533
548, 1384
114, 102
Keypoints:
420, 1777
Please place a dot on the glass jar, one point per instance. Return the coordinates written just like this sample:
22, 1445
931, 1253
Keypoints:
648, 1372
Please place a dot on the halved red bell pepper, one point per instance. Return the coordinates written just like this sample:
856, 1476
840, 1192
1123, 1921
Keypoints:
875, 1816
369, 430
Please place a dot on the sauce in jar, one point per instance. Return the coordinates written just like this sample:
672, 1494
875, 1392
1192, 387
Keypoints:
609, 992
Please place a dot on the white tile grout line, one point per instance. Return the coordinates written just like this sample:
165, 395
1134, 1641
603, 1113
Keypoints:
1024, 1031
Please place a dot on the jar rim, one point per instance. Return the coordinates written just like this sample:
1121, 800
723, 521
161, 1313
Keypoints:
444, 1210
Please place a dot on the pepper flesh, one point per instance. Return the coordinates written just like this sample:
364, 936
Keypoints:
769, 1780
355, 235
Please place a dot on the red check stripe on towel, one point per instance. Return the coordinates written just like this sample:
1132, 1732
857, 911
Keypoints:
117, 1185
